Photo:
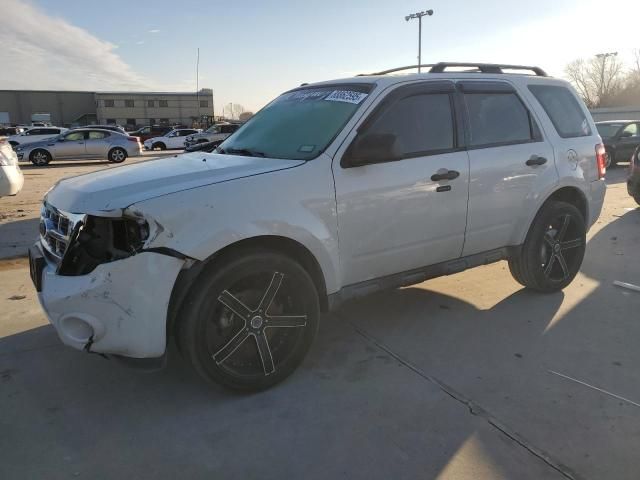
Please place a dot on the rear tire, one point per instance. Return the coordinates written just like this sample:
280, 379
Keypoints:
117, 155
40, 157
249, 321
554, 249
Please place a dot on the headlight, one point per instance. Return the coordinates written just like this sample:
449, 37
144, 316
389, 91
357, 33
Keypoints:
189, 138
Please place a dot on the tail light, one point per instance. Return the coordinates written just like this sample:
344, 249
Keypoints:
133, 139
601, 160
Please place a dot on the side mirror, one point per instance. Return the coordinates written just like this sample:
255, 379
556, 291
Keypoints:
370, 148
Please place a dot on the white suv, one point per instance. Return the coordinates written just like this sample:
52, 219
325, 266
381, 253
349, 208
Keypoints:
332, 191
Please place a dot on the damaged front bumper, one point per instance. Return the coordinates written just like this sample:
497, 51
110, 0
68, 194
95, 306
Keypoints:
103, 286
118, 308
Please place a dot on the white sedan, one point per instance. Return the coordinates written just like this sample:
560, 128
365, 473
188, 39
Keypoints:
11, 179
173, 139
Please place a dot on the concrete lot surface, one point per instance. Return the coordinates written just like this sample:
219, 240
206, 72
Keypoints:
462, 377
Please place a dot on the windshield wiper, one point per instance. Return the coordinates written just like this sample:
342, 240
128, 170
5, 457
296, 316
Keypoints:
243, 151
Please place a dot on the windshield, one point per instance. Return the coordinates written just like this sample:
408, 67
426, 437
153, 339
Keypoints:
608, 129
213, 129
299, 124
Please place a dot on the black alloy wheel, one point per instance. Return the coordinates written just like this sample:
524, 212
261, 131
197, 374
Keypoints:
250, 323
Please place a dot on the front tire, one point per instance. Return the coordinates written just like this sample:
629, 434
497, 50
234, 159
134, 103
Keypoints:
159, 146
40, 158
554, 249
249, 321
117, 155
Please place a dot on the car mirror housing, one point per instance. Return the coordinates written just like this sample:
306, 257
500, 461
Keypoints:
370, 148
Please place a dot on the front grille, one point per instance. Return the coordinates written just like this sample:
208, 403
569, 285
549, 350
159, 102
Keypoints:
56, 228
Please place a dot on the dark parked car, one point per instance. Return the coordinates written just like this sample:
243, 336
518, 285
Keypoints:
620, 138
149, 132
633, 181
8, 131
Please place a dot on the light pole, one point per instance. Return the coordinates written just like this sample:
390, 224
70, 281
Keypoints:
419, 16
603, 68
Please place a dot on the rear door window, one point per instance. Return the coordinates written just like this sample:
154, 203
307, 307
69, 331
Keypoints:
498, 118
97, 135
74, 136
563, 109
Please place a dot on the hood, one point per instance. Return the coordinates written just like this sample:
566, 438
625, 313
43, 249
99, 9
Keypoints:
118, 187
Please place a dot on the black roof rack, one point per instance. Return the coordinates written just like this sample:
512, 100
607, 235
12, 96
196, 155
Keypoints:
473, 68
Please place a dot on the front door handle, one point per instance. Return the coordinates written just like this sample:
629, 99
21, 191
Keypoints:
444, 174
536, 160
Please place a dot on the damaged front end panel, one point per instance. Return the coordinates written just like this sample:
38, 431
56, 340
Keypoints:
100, 240
103, 286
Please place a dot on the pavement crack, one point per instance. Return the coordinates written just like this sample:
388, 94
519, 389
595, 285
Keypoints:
474, 408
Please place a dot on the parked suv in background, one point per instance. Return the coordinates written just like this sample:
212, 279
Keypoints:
214, 133
332, 191
620, 138
35, 135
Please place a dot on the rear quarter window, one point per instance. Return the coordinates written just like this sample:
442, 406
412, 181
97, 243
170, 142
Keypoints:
563, 110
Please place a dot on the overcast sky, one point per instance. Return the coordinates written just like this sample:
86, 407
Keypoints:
252, 50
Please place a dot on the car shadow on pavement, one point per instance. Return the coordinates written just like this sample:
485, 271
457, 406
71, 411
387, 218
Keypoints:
17, 236
513, 358
351, 411
63, 164
618, 174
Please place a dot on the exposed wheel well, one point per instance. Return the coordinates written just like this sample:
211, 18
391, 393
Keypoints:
286, 246
573, 196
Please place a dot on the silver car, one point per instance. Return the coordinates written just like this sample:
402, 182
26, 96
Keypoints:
79, 144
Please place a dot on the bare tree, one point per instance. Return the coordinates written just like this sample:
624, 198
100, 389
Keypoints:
598, 79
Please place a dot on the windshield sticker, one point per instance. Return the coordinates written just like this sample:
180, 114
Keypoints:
308, 95
307, 148
347, 96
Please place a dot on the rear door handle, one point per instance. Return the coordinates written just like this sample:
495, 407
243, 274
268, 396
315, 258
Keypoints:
536, 160
444, 174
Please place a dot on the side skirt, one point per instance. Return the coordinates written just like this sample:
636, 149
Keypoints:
418, 275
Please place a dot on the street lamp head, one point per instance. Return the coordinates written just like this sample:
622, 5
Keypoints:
429, 12
407, 18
